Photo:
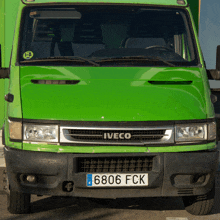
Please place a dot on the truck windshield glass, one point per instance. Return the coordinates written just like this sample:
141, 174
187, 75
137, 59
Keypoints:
107, 35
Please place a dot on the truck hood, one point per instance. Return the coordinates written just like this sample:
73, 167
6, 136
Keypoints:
112, 93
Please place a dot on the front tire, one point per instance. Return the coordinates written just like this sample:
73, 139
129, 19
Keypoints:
199, 205
18, 203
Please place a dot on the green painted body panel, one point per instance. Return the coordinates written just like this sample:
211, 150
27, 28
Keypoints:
152, 2
194, 7
8, 15
2, 29
115, 149
14, 108
2, 41
207, 94
112, 94
11, 11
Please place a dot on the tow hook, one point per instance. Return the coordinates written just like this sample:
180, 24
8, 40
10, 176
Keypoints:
68, 186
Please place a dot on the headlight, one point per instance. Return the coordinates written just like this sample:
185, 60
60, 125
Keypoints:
45, 133
15, 130
195, 132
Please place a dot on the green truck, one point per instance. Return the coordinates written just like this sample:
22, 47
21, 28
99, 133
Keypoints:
106, 99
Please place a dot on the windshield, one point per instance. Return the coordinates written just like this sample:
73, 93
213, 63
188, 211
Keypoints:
107, 35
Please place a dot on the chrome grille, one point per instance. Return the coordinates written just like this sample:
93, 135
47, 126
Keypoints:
99, 135
115, 164
116, 136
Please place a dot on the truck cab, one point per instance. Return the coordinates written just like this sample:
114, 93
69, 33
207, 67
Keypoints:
108, 100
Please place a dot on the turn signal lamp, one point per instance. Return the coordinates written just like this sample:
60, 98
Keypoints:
15, 130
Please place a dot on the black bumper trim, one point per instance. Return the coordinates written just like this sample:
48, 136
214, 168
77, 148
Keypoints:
172, 174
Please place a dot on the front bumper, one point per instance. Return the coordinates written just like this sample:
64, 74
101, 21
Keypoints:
173, 174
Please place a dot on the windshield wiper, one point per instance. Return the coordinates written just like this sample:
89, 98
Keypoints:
62, 58
139, 57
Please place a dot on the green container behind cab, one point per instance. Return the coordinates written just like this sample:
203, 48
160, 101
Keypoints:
8, 15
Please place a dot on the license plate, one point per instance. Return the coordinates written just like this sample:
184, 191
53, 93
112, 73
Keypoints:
117, 179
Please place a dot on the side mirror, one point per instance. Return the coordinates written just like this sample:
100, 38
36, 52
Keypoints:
215, 73
4, 72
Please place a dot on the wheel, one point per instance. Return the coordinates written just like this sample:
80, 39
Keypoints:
6, 187
18, 203
199, 205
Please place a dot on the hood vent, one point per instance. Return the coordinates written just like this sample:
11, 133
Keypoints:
60, 82
170, 82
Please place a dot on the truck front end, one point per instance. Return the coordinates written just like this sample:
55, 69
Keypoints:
109, 100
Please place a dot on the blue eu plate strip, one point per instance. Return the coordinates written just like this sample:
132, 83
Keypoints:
89, 179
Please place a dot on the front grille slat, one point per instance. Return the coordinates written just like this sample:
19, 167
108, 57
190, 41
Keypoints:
149, 135
115, 164
118, 136
85, 135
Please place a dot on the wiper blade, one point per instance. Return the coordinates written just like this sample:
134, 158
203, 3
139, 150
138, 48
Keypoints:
159, 59
136, 57
62, 58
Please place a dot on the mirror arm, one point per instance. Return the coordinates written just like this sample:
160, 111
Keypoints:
213, 74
